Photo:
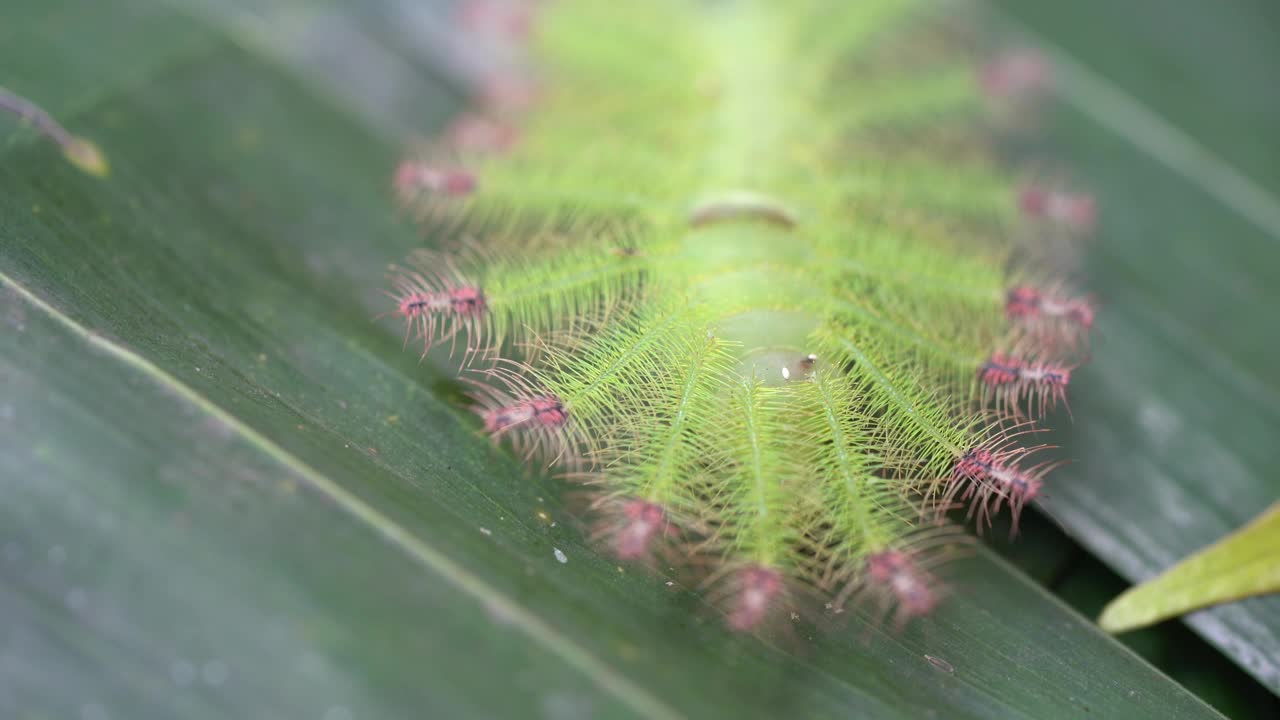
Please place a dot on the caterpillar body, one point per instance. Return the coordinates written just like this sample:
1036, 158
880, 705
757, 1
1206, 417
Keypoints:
750, 273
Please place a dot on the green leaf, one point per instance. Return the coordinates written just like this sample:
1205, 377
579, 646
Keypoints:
1174, 414
1241, 565
230, 493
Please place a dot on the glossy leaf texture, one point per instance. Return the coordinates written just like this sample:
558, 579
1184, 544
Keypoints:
230, 493
1175, 415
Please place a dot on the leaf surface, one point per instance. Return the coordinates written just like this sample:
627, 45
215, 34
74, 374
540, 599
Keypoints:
1175, 414
230, 493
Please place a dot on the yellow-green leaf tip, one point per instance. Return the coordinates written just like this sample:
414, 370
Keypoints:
1243, 564
85, 155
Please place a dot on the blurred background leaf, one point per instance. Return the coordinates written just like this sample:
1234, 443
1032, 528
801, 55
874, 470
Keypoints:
1169, 113
229, 493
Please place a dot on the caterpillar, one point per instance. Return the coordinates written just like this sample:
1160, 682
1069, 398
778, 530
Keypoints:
752, 275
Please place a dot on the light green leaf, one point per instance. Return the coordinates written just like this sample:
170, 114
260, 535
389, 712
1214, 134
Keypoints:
1243, 564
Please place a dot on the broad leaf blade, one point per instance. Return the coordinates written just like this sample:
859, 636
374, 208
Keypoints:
1175, 413
162, 561
230, 493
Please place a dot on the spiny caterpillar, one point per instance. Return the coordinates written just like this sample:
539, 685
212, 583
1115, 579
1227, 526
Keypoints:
748, 273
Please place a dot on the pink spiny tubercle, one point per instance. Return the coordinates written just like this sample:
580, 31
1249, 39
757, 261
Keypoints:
632, 527
544, 411
1010, 380
508, 92
988, 478
459, 301
537, 423
1051, 320
1076, 211
755, 592
1025, 303
902, 584
1017, 74
478, 133
438, 303
415, 177
507, 20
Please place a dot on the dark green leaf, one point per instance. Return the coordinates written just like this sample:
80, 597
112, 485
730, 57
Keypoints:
230, 493
1172, 120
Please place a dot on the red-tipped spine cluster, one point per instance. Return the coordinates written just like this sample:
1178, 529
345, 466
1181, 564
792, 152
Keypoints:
1011, 381
504, 20
1028, 304
632, 528
476, 133
536, 421
1028, 374
898, 582
501, 28
643, 523
543, 412
460, 301
1025, 382
437, 302
754, 592
1074, 211
1016, 75
505, 28
1051, 321
988, 479
536, 425
415, 179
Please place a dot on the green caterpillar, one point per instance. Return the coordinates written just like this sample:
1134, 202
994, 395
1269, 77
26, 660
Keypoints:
748, 271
